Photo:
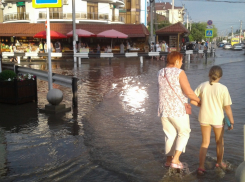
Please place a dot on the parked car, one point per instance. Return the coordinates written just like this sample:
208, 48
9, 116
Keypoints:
221, 44
237, 47
227, 46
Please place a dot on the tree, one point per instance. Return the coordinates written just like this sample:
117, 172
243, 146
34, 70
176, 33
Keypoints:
198, 32
160, 25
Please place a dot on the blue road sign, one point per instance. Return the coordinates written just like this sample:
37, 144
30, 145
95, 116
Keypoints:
46, 3
209, 33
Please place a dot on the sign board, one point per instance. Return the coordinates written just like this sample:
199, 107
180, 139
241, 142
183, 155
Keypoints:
209, 22
46, 3
209, 33
209, 27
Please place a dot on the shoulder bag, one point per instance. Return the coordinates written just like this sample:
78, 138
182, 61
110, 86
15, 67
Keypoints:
187, 105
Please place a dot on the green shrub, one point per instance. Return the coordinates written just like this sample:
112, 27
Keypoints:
6, 74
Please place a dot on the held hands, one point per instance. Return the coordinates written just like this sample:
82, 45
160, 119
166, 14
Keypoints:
231, 127
195, 103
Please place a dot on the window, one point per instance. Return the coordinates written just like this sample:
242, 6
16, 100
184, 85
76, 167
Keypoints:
55, 13
92, 10
21, 10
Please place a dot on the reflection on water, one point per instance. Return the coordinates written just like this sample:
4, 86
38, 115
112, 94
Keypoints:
114, 134
133, 95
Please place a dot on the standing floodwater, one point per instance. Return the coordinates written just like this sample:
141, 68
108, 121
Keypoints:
115, 134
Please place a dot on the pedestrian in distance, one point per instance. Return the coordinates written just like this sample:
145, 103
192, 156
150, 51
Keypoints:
163, 49
40, 47
152, 49
215, 98
166, 47
57, 46
158, 49
121, 48
28, 49
12, 59
197, 47
98, 48
174, 91
202, 48
128, 46
45, 47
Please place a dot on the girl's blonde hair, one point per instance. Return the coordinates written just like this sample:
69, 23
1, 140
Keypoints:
214, 73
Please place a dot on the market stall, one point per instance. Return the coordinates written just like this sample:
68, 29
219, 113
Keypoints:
24, 32
173, 35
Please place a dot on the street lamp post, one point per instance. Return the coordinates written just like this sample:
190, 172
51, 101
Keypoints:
231, 32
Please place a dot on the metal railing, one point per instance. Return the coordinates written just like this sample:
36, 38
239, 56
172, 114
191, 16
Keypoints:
16, 16
61, 15
63, 80
79, 15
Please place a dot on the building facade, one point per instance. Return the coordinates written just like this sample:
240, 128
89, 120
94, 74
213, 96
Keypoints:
165, 9
92, 11
131, 11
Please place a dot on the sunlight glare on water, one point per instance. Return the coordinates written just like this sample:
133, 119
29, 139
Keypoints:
133, 96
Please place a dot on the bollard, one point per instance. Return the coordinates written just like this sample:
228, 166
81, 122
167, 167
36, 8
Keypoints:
75, 66
206, 56
75, 59
1, 63
213, 51
18, 59
240, 171
79, 60
141, 59
74, 91
188, 58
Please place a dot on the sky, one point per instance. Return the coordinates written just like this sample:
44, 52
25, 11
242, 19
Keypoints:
223, 14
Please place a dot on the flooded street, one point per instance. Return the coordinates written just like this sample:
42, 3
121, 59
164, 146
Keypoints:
114, 135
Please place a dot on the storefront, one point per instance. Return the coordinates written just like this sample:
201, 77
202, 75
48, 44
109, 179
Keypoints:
173, 35
22, 34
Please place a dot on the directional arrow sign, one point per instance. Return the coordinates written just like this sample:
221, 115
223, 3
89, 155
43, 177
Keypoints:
209, 33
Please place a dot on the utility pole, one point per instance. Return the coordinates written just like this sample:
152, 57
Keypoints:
187, 21
172, 11
240, 37
190, 23
74, 30
151, 1
231, 32
155, 16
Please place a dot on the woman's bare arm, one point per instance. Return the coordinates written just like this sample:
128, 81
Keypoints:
185, 86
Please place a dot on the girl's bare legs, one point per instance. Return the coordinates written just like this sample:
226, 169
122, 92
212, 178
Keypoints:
219, 144
206, 133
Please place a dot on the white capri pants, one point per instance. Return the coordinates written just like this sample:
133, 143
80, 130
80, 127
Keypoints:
177, 132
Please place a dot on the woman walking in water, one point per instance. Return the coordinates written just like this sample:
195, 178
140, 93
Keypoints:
173, 89
214, 98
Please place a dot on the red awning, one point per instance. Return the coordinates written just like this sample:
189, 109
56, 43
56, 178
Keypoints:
81, 33
112, 34
53, 35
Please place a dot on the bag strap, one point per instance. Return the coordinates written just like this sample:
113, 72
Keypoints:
165, 75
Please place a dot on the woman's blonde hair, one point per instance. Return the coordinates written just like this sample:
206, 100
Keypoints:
214, 73
173, 57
